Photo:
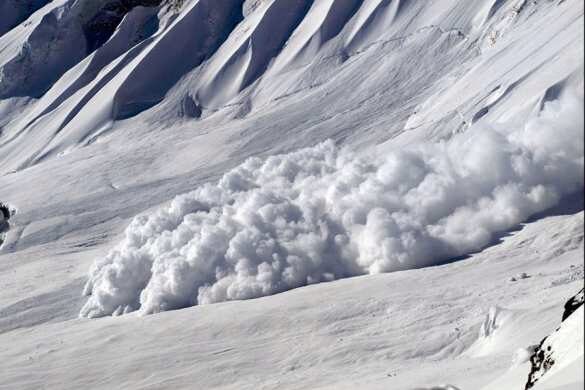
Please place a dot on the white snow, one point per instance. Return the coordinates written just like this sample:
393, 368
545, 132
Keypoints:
566, 344
448, 121
401, 330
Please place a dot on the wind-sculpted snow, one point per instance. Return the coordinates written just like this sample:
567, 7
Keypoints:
325, 213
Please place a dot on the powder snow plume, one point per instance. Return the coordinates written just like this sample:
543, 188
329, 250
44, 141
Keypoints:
326, 213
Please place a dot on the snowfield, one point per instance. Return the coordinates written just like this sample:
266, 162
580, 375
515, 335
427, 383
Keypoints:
383, 194
399, 330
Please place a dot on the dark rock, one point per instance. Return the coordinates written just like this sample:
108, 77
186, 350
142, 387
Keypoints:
573, 304
5, 215
5, 211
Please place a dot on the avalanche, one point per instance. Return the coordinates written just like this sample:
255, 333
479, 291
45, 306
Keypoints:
431, 149
324, 213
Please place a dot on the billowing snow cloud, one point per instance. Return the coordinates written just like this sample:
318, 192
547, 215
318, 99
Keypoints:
325, 213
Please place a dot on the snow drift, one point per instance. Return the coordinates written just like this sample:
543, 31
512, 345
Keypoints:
325, 213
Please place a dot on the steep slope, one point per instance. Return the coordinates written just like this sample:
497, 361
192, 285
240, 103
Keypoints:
328, 44
556, 363
386, 90
557, 360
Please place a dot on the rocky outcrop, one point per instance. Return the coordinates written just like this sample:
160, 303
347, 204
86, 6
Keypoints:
5, 214
558, 345
573, 304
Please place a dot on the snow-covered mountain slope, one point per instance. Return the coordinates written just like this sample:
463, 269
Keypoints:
461, 119
355, 60
321, 214
557, 362
558, 353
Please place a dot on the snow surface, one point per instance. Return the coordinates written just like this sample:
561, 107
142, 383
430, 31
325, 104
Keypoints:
400, 330
564, 347
567, 346
179, 99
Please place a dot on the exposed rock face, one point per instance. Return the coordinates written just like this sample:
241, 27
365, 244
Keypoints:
558, 344
573, 304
